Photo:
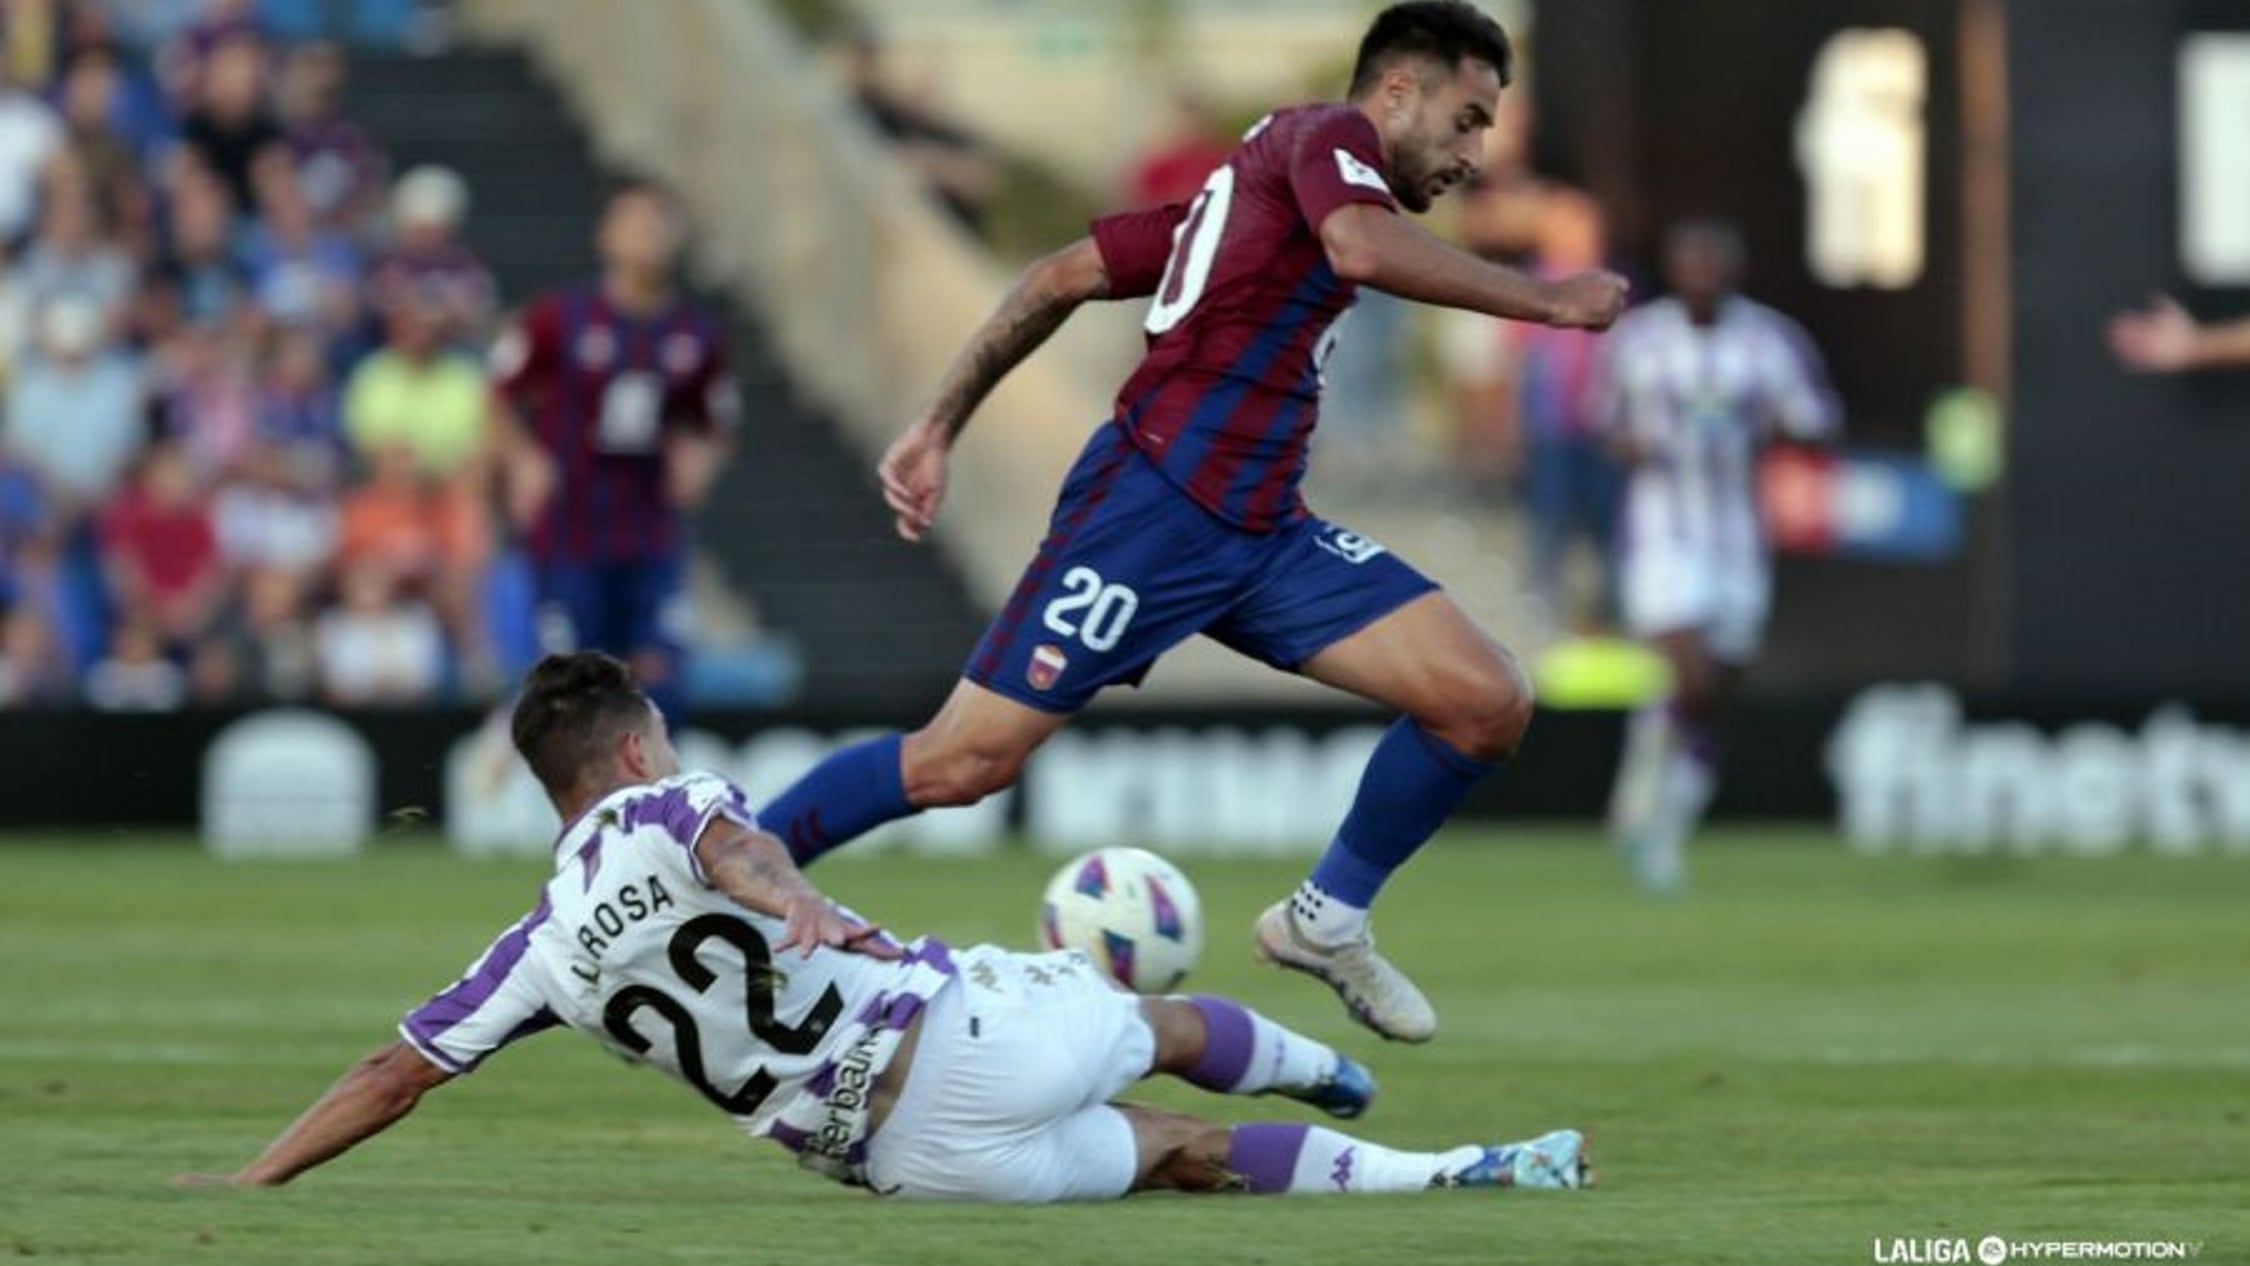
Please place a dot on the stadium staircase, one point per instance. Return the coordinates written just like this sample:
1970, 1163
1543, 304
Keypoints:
795, 524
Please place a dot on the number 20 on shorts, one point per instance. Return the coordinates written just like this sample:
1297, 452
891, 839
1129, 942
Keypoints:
1095, 613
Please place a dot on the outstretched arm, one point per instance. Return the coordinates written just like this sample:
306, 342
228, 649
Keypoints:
365, 1101
2164, 339
1044, 296
1371, 245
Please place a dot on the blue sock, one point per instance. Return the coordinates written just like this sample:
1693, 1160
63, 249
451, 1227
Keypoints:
1413, 783
853, 791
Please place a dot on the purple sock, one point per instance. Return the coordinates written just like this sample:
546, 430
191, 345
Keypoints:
1265, 1154
1245, 1053
1230, 1039
851, 792
1413, 783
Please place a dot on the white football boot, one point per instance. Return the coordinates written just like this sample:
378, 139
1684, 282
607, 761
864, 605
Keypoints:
1377, 994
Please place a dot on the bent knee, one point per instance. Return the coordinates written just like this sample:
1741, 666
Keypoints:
1484, 716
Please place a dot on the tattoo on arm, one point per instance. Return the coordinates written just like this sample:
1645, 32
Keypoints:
756, 872
1030, 314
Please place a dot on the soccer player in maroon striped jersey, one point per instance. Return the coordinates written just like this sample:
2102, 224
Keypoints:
618, 410
1183, 516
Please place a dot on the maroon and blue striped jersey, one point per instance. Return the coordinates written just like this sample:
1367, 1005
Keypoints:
1244, 311
600, 389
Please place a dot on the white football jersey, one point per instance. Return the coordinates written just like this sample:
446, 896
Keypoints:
1702, 401
630, 946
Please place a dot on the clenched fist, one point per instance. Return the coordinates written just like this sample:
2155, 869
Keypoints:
1588, 301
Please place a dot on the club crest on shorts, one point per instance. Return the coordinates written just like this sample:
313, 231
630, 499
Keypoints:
1347, 545
1046, 667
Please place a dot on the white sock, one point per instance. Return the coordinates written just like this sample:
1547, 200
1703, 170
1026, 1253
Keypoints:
1326, 920
1686, 792
1332, 1163
1637, 797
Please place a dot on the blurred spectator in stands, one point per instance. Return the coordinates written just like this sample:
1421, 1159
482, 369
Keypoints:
35, 664
162, 551
33, 671
427, 536
140, 113
620, 413
76, 408
276, 520
1174, 167
136, 676
105, 152
341, 172
427, 261
72, 252
300, 415
208, 399
269, 637
189, 37
277, 538
379, 647
1572, 481
30, 135
229, 128
199, 277
275, 531
955, 165
424, 396
303, 274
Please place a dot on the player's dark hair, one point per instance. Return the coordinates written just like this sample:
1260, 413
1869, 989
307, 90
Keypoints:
1445, 31
570, 712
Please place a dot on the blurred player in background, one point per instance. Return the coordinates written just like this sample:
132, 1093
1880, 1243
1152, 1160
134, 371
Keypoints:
667, 934
617, 411
1184, 514
2164, 339
1692, 388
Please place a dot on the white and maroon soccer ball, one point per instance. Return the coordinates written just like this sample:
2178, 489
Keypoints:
1130, 911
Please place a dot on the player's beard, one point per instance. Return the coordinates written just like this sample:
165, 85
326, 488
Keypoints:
1412, 187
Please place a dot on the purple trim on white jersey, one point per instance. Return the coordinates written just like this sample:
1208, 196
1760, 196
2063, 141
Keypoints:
891, 1011
671, 809
932, 951
432, 1020
675, 810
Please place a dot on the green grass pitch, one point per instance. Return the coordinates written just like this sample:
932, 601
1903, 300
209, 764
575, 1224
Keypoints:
1811, 1052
